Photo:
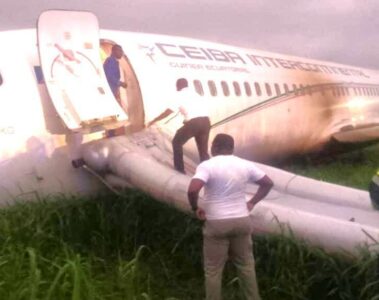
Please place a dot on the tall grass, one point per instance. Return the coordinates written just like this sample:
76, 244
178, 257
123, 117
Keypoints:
132, 247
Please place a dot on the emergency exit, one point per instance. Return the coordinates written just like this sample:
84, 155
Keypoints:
69, 50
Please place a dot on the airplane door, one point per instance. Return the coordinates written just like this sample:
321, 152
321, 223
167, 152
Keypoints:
69, 50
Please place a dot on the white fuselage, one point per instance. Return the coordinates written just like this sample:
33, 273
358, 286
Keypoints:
274, 105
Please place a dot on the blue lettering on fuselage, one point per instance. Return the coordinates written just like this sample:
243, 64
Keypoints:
211, 54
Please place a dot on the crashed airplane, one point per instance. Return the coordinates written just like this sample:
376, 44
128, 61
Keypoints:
56, 106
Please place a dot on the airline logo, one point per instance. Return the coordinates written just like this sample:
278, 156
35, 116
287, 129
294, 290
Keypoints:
232, 60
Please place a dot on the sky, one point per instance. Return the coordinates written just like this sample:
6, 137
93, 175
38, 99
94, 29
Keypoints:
343, 31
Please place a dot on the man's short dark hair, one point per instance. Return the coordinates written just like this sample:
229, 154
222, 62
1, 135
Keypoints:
115, 46
181, 83
223, 141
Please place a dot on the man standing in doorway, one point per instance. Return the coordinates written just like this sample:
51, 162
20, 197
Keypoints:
196, 123
112, 71
227, 227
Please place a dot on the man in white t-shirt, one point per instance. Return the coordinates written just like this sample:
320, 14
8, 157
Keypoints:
196, 123
227, 227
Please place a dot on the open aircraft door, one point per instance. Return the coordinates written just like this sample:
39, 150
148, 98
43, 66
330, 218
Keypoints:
69, 50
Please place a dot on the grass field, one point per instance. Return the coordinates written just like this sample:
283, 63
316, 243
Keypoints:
132, 247
353, 169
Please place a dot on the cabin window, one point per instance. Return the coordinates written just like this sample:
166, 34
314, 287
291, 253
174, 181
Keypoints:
247, 89
342, 90
258, 90
302, 89
308, 90
212, 87
277, 89
225, 88
268, 89
1, 79
237, 89
347, 92
286, 89
296, 91
198, 87
323, 90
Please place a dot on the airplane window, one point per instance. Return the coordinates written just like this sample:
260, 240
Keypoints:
258, 89
277, 89
237, 89
212, 87
302, 89
286, 89
198, 87
347, 92
295, 89
247, 89
342, 91
308, 89
225, 88
1, 79
268, 89
323, 90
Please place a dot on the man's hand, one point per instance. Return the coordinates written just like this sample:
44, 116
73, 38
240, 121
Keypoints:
250, 206
200, 214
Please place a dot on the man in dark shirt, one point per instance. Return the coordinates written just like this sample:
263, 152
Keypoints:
112, 71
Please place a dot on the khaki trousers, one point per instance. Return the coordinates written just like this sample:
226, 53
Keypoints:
229, 238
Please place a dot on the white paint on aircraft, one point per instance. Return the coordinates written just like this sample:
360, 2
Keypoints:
274, 105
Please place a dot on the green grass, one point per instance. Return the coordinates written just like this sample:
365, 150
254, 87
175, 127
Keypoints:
132, 247
354, 169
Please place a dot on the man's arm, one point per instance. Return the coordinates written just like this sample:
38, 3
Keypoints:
193, 192
265, 185
163, 115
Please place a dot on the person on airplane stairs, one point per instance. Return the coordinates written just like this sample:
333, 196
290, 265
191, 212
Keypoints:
196, 123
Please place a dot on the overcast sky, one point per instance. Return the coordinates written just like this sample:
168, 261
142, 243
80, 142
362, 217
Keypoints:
344, 31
